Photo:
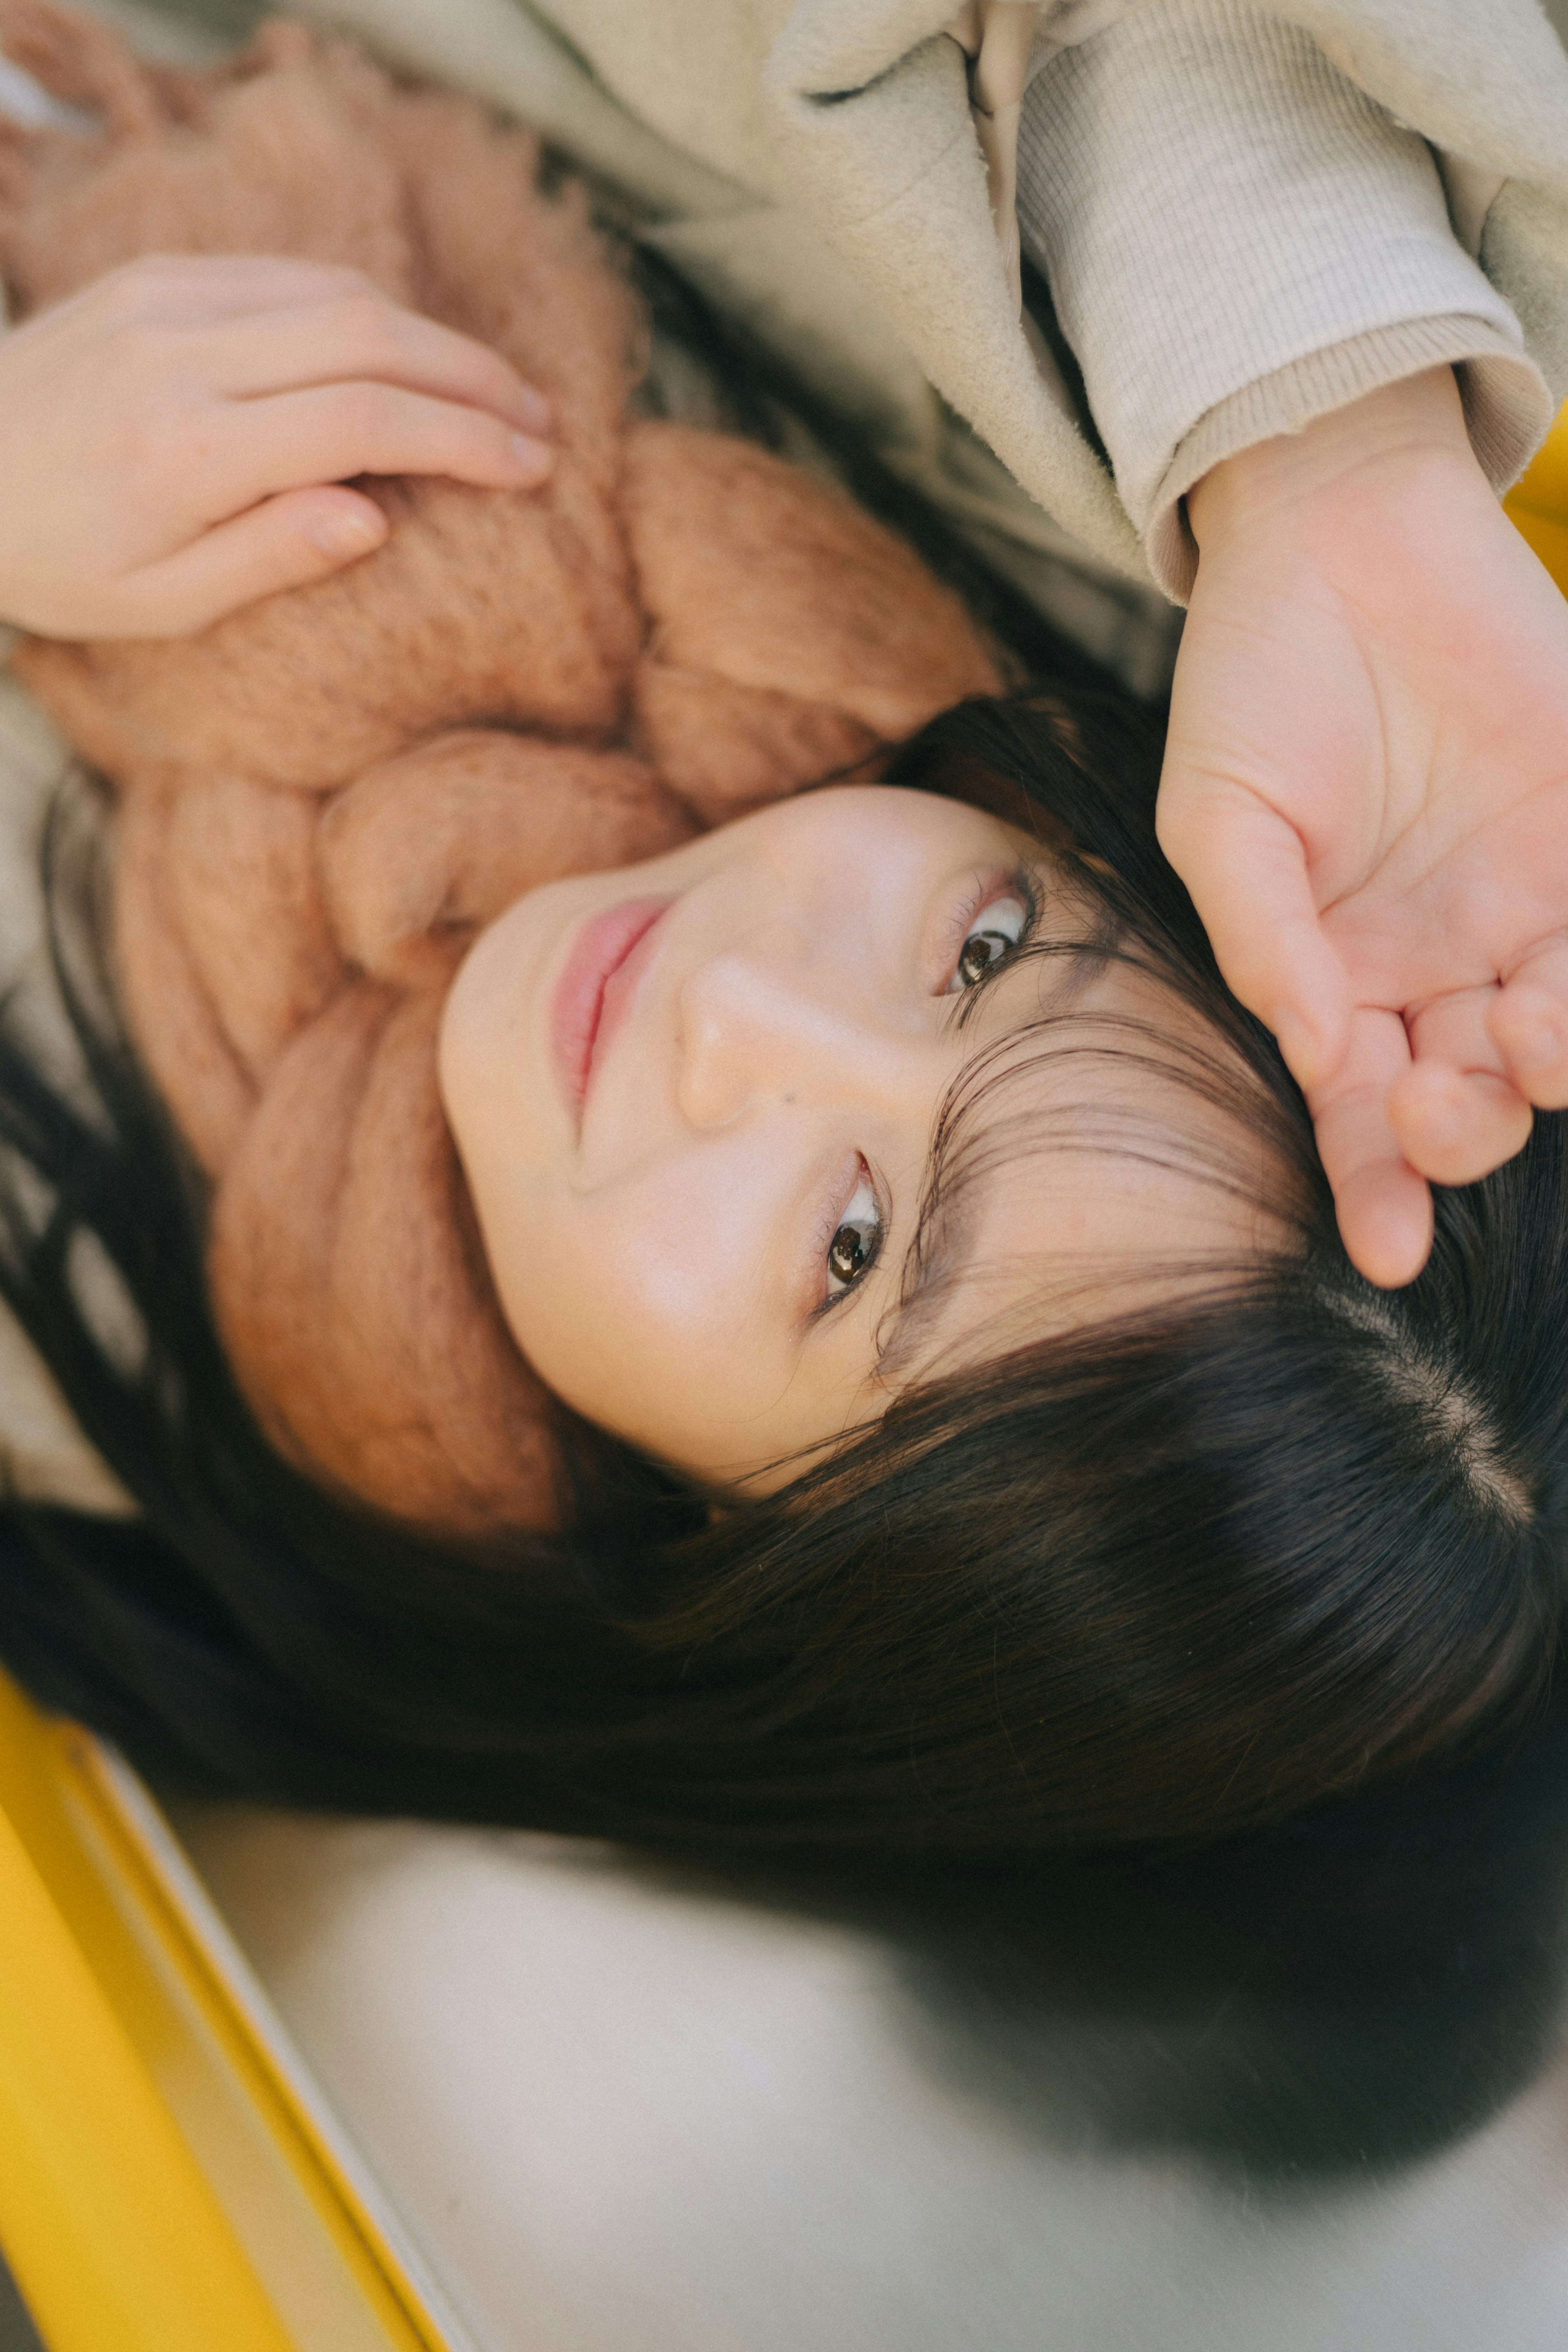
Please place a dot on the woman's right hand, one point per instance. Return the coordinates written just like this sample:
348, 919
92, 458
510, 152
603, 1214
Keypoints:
177, 437
1366, 791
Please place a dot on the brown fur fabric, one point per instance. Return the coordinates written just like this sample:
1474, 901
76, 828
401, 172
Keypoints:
322, 798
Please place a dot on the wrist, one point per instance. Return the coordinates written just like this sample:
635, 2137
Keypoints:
1400, 433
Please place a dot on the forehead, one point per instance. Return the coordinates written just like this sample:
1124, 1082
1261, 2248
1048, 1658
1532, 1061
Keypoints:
862, 825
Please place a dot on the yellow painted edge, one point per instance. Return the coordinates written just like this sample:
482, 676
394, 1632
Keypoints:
1549, 539
1542, 489
97, 1864
114, 2238
381, 2278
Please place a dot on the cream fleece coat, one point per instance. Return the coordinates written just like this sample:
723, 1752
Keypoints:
803, 155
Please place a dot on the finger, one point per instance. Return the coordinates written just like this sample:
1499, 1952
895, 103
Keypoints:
1528, 1020
1247, 874
1383, 1204
1456, 1111
185, 287
361, 337
1456, 1126
335, 431
1385, 1214
285, 543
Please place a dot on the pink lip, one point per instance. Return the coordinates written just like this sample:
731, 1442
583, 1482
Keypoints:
597, 981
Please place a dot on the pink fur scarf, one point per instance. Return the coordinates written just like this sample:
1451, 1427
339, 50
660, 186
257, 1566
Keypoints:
322, 798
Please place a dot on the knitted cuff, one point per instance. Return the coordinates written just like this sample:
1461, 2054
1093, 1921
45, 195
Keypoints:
1506, 407
1237, 238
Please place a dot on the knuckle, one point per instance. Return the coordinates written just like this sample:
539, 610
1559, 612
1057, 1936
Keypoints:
367, 321
143, 424
137, 443
126, 294
360, 415
337, 286
136, 286
145, 347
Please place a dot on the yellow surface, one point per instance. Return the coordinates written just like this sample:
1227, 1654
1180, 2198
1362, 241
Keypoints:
1538, 504
113, 2236
163, 2186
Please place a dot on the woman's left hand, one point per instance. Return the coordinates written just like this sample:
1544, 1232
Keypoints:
1365, 790
183, 436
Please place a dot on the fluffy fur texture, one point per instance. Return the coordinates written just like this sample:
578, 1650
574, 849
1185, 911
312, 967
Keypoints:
323, 797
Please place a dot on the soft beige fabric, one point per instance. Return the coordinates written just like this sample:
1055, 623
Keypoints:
719, 207
1503, 399
1236, 240
1000, 38
888, 171
850, 119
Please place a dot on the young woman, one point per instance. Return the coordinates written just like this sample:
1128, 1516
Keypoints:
977, 1436
1230, 1533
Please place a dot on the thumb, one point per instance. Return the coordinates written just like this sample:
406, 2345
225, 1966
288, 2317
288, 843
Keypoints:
1246, 872
285, 542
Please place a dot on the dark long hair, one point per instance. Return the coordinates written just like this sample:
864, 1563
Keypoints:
1163, 1577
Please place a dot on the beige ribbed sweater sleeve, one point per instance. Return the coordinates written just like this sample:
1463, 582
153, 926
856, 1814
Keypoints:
1236, 240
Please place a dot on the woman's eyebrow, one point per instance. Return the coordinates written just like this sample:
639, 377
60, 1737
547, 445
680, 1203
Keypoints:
939, 1248
945, 1226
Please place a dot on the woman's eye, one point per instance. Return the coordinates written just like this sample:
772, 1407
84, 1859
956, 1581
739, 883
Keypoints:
994, 933
854, 1245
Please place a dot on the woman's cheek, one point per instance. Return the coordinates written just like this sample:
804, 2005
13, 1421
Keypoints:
652, 1318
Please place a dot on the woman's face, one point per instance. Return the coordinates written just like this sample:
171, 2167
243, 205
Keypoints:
695, 1101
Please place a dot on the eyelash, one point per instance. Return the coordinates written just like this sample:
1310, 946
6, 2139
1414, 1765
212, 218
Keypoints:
1019, 885
841, 1220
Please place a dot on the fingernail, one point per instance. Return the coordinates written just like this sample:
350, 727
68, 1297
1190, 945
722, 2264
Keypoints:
347, 530
535, 410
535, 458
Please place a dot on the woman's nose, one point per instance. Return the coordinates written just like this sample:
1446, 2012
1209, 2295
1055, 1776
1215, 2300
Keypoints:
768, 1023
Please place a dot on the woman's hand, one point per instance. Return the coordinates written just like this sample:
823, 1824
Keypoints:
1365, 790
176, 436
